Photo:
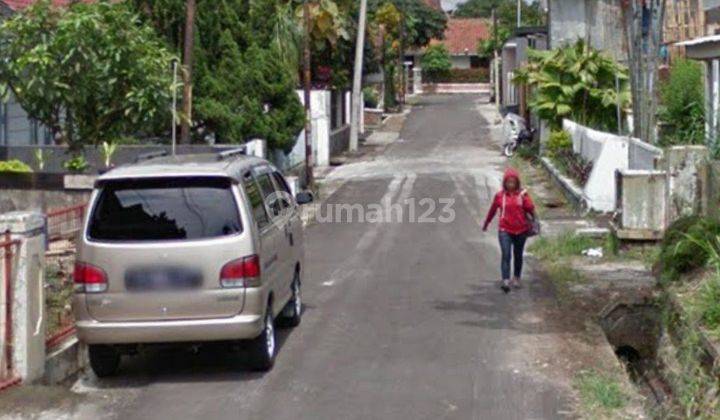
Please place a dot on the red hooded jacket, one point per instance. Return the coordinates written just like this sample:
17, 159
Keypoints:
513, 206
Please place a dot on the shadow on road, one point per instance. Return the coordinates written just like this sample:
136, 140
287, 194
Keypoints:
181, 363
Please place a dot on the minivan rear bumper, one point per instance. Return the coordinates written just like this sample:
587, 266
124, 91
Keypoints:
234, 328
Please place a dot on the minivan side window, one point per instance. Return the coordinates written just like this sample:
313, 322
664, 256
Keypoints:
256, 201
284, 189
269, 193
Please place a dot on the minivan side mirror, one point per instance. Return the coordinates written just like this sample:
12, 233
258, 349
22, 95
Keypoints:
304, 197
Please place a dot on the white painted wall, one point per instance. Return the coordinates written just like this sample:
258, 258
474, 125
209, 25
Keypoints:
460, 61
609, 153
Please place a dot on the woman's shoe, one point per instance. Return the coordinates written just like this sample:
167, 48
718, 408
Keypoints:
505, 286
515, 283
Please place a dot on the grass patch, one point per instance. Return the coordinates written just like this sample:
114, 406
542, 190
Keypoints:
565, 245
600, 395
695, 388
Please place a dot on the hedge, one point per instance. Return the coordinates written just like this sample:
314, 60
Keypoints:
474, 75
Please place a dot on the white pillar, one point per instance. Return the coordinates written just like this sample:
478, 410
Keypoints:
257, 147
417, 80
28, 295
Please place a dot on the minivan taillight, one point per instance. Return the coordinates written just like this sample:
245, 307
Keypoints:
241, 272
89, 279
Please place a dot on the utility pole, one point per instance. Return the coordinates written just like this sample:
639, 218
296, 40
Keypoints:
357, 107
401, 58
519, 13
496, 61
187, 73
308, 86
174, 107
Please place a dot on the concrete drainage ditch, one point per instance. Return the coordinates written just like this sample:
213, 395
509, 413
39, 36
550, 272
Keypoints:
634, 331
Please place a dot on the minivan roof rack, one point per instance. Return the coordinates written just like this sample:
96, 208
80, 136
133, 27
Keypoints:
241, 150
151, 155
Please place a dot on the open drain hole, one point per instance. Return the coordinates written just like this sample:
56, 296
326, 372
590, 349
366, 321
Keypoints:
634, 332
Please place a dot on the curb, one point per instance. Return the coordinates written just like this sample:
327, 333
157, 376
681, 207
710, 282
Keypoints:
64, 361
570, 190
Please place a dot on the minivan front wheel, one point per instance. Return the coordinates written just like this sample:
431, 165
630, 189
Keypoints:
104, 360
264, 347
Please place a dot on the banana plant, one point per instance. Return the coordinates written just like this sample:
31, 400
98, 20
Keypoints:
575, 82
108, 150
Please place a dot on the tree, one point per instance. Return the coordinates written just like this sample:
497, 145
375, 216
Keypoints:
506, 12
436, 61
90, 73
643, 29
683, 104
575, 82
409, 23
245, 71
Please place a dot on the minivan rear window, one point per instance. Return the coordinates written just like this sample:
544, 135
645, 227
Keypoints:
164, 209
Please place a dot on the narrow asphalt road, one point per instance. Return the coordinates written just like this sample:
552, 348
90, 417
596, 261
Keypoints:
404, 320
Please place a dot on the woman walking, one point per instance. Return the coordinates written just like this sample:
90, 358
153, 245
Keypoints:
515, 206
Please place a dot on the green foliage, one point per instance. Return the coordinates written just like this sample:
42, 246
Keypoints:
89, 72
76, 164
40, 159
566, 245
709, 304
107, 151
599, 393
575, 82
558, 142
419, 24
683, 97
506, 12
14, 166
436, 61
370, 97
683, 247
245, 73
473, 75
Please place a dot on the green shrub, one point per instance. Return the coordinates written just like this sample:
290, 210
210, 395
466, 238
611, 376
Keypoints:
709, 303
15, 166
683, 248
370, 97
683, 97
558, 141
474, 75
77, 164
576, 82
436, 61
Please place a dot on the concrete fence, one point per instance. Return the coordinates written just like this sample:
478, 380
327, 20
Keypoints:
608, 153
330, 130
23, 298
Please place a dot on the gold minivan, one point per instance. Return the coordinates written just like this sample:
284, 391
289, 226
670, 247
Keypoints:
188, 249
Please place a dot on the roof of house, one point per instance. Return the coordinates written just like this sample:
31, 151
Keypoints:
435, 4
462, 35
17, 5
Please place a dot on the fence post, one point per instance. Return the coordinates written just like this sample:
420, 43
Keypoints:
417, 80
28, 296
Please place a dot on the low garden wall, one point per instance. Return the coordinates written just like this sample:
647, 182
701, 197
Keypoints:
608, 153
55, 156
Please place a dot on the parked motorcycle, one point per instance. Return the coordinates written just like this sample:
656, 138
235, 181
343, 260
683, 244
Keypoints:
516, 133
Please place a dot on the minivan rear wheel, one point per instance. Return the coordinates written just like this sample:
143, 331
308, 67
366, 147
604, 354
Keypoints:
104, 360
292, 313
264, 347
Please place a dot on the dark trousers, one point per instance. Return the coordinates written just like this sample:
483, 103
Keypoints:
511, 246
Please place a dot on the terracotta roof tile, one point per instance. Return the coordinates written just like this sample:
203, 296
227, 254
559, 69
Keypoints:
463, 35
435, 4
